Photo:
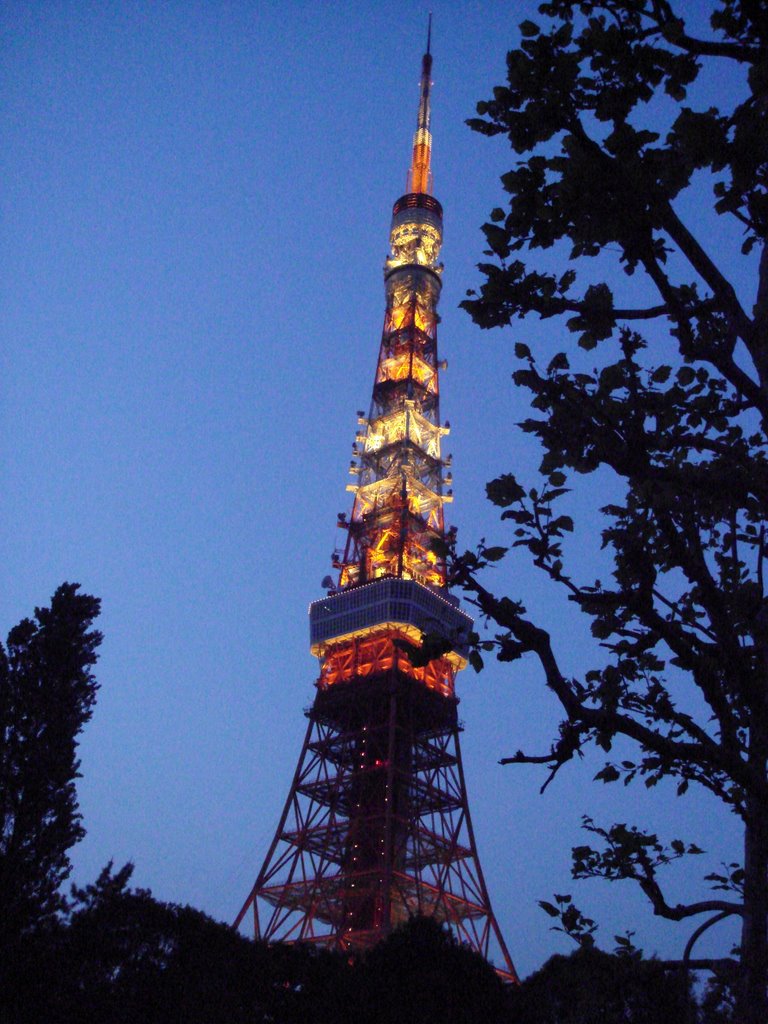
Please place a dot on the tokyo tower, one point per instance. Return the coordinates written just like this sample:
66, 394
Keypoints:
376, 827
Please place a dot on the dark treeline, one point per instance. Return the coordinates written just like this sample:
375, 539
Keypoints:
122, 956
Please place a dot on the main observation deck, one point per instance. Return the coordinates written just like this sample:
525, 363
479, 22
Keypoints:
406, 605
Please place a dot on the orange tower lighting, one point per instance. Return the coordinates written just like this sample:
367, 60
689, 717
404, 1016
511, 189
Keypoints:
419, 179
376, 827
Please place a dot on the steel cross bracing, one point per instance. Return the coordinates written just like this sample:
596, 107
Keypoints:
376, 827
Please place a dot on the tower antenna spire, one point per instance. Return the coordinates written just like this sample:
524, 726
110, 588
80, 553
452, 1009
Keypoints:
420, 174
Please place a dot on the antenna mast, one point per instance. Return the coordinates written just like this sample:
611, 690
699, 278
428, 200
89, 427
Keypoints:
420, 175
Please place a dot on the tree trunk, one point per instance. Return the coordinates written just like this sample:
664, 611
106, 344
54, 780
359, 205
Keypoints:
752, 997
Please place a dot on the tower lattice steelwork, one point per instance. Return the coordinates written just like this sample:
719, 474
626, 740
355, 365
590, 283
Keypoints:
376, 826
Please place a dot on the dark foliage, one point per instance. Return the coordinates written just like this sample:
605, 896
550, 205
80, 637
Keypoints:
592, 987
614, 153
422, 975
47, 692
121, 956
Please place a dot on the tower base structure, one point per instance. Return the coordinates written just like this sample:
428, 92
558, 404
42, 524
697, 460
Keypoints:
376, 827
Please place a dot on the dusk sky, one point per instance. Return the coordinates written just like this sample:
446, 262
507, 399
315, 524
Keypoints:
194, 219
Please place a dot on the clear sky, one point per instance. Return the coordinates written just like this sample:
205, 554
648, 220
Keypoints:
194, 218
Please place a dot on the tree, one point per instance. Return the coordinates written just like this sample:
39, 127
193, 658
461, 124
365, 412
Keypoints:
609, 109
47, 693
118, 954
422, 974
593, 987
122, 955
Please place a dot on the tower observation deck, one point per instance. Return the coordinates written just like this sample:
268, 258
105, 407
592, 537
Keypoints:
376, 827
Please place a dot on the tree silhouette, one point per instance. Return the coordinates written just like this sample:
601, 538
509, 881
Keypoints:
593, 987
615, 151
421, 974
47, 692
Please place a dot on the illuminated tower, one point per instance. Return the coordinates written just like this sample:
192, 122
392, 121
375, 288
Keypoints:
376, 826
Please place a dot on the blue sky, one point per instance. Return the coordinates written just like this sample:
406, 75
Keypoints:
194, 221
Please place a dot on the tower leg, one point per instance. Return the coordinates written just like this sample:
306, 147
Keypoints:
376, 827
